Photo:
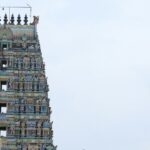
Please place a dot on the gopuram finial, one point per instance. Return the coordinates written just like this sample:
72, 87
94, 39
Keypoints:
25, 19
12, 20
5, 19
19, 20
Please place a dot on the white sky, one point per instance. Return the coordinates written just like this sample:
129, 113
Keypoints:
97, 56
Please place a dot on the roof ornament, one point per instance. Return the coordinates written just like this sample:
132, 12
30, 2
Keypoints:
5, 19
35, 20
9, 8
26, 20
19, 20
12, 20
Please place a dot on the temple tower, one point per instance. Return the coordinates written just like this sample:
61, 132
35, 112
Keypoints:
24, 104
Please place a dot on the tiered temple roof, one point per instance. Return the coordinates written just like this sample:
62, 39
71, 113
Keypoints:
24, 104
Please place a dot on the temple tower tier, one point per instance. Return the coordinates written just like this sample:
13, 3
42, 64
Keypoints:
24, 104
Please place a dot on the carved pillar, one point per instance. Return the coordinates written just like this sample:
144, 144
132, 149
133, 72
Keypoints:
39, 129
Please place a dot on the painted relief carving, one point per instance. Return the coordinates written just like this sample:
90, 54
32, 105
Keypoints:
2, 116
23, 124
39, 132
46, 124
23, 132
12, 130
30, 108
18, 123
22, 110
30, 101
37, 108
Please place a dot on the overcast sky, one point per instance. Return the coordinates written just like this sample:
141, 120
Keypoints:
97, 55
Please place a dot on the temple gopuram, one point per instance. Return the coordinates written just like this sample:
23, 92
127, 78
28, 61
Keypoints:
25, 110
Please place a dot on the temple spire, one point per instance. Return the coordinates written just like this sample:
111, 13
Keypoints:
25, 108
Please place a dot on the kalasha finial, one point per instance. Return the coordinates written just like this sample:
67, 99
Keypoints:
5, 19
25, 19
12, 19
19, 19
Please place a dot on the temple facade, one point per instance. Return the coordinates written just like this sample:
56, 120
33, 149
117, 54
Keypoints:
24, 104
